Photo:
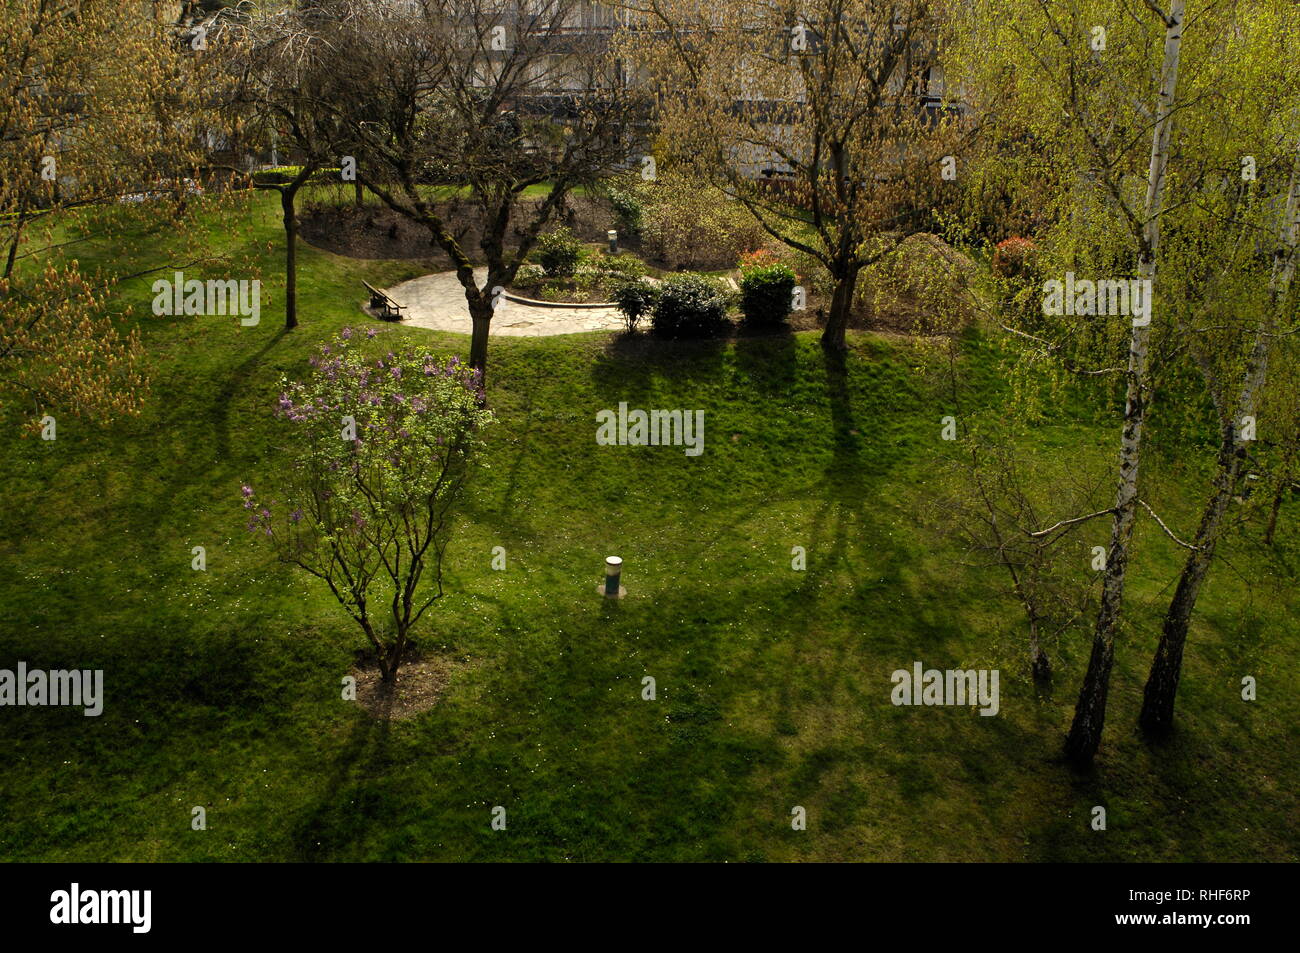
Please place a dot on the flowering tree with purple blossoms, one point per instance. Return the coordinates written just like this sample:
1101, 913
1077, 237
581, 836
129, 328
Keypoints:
379, 450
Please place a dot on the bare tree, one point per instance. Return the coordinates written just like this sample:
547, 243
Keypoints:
480, 100
280, 61
814, 118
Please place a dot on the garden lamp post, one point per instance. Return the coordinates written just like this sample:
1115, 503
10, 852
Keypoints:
613, 572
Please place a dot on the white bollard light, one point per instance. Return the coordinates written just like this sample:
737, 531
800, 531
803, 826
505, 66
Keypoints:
613, 572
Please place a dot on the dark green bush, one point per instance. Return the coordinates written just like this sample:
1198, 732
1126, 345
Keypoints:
635, 298
689, 305
767, 294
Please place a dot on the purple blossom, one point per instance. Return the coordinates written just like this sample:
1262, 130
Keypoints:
296, 516
371, 332
346, 334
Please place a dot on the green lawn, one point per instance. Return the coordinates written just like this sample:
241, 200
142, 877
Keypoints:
773, 685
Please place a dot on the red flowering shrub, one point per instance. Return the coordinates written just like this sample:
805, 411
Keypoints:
1012, 257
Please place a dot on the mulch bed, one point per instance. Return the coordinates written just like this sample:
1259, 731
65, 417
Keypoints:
420, 684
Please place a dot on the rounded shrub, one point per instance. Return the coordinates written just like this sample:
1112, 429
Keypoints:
529, 276
635, 298
559, 253
1013, 257
689, 305
623, 266
767, 294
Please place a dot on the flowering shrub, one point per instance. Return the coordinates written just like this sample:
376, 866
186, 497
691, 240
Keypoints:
760, 257
379, 449
1012, 257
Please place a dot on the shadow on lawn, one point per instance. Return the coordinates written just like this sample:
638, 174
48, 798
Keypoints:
768, 360
344, 809
630, 363
239, 378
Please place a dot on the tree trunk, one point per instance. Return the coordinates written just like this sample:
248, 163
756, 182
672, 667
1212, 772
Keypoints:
381, 656
837, 319
395, 653
1041, 666
1284, 484
480, 314
1090, 711
1157, 716
287, 196
19, 225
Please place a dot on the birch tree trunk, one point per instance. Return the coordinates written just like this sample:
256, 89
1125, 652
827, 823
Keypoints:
1157, 716
1090, 711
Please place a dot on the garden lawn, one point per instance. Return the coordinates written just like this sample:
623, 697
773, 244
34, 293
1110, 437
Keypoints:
773, 685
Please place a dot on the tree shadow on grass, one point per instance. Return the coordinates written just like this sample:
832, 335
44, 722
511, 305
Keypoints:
501, 510
344, 810
768, 359
238, 379
630, 363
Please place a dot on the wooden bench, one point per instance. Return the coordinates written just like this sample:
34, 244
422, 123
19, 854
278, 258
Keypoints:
387, 308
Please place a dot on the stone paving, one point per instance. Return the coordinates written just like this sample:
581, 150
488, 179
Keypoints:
438, 302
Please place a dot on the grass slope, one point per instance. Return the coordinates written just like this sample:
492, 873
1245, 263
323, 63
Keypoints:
773, 685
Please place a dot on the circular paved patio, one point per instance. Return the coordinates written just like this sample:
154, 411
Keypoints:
438, 302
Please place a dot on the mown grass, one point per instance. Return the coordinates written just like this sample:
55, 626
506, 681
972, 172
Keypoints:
223, 687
